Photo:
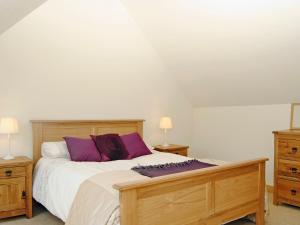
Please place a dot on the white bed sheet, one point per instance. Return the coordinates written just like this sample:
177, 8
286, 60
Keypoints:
56, 181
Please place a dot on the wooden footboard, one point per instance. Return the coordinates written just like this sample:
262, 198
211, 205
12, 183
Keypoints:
211, 196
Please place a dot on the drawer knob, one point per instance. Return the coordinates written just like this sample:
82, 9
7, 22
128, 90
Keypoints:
8, 173
294, 150
294, 170
293, 192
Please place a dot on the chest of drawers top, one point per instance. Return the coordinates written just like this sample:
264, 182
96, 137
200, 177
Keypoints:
288, 134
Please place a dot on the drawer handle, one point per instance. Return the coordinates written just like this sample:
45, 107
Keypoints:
8, 173
23, 194
293, 192
294, 170
294, 150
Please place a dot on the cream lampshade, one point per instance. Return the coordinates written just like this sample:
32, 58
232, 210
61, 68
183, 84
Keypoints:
9, 126
165, 124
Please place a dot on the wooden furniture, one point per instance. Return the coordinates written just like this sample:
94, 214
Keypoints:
287, 167
16, 187
210, 196
51, 130
175, 149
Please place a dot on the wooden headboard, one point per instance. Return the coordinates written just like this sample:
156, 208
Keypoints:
55, 130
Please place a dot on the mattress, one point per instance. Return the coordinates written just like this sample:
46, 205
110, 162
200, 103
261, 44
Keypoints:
56, 181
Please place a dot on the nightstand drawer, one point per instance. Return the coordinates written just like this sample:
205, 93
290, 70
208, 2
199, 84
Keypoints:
6, 172
182, 152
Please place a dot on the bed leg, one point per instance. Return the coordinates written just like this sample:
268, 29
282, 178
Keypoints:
260, 218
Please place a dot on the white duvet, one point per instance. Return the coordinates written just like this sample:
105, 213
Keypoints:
56, 181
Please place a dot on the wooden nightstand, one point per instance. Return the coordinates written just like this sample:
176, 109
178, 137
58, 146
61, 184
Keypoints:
16, 187
175, 149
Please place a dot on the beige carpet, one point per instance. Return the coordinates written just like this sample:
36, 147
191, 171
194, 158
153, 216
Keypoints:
40, 217
278, 215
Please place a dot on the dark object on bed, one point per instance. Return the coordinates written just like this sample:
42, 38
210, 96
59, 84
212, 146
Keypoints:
170, 168
111, 147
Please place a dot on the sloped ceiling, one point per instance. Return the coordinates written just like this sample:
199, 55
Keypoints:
222, 53
12, 11
233, 52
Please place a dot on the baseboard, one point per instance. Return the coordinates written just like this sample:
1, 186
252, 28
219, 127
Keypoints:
270, 188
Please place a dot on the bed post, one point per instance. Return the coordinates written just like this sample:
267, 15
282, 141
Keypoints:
260, 214
128, 198
37, 141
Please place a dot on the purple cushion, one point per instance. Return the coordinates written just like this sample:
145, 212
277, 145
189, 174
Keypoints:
103, 157
82, 150
110, 147
135, 145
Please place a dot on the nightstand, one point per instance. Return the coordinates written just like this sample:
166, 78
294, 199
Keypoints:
175, 149
16, 187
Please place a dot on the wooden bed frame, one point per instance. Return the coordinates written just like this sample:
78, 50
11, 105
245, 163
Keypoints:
211, 196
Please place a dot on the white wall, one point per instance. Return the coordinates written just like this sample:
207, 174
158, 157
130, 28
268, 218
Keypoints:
238, 133
74, 59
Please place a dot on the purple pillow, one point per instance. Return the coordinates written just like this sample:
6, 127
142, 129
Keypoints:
110, 147
135, 145
103, 157
82, 150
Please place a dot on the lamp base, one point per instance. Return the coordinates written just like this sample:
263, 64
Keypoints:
8, 157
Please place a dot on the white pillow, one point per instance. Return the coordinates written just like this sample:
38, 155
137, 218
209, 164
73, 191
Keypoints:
55, 150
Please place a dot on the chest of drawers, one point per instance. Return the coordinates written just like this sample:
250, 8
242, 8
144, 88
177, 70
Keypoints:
287, 167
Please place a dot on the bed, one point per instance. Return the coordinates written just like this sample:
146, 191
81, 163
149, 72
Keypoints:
211, 196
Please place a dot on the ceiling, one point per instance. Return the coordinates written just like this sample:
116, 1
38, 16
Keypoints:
233, 52
222, 53
12, 11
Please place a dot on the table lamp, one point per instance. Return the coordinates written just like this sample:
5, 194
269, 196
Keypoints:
9, 126
165, 124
